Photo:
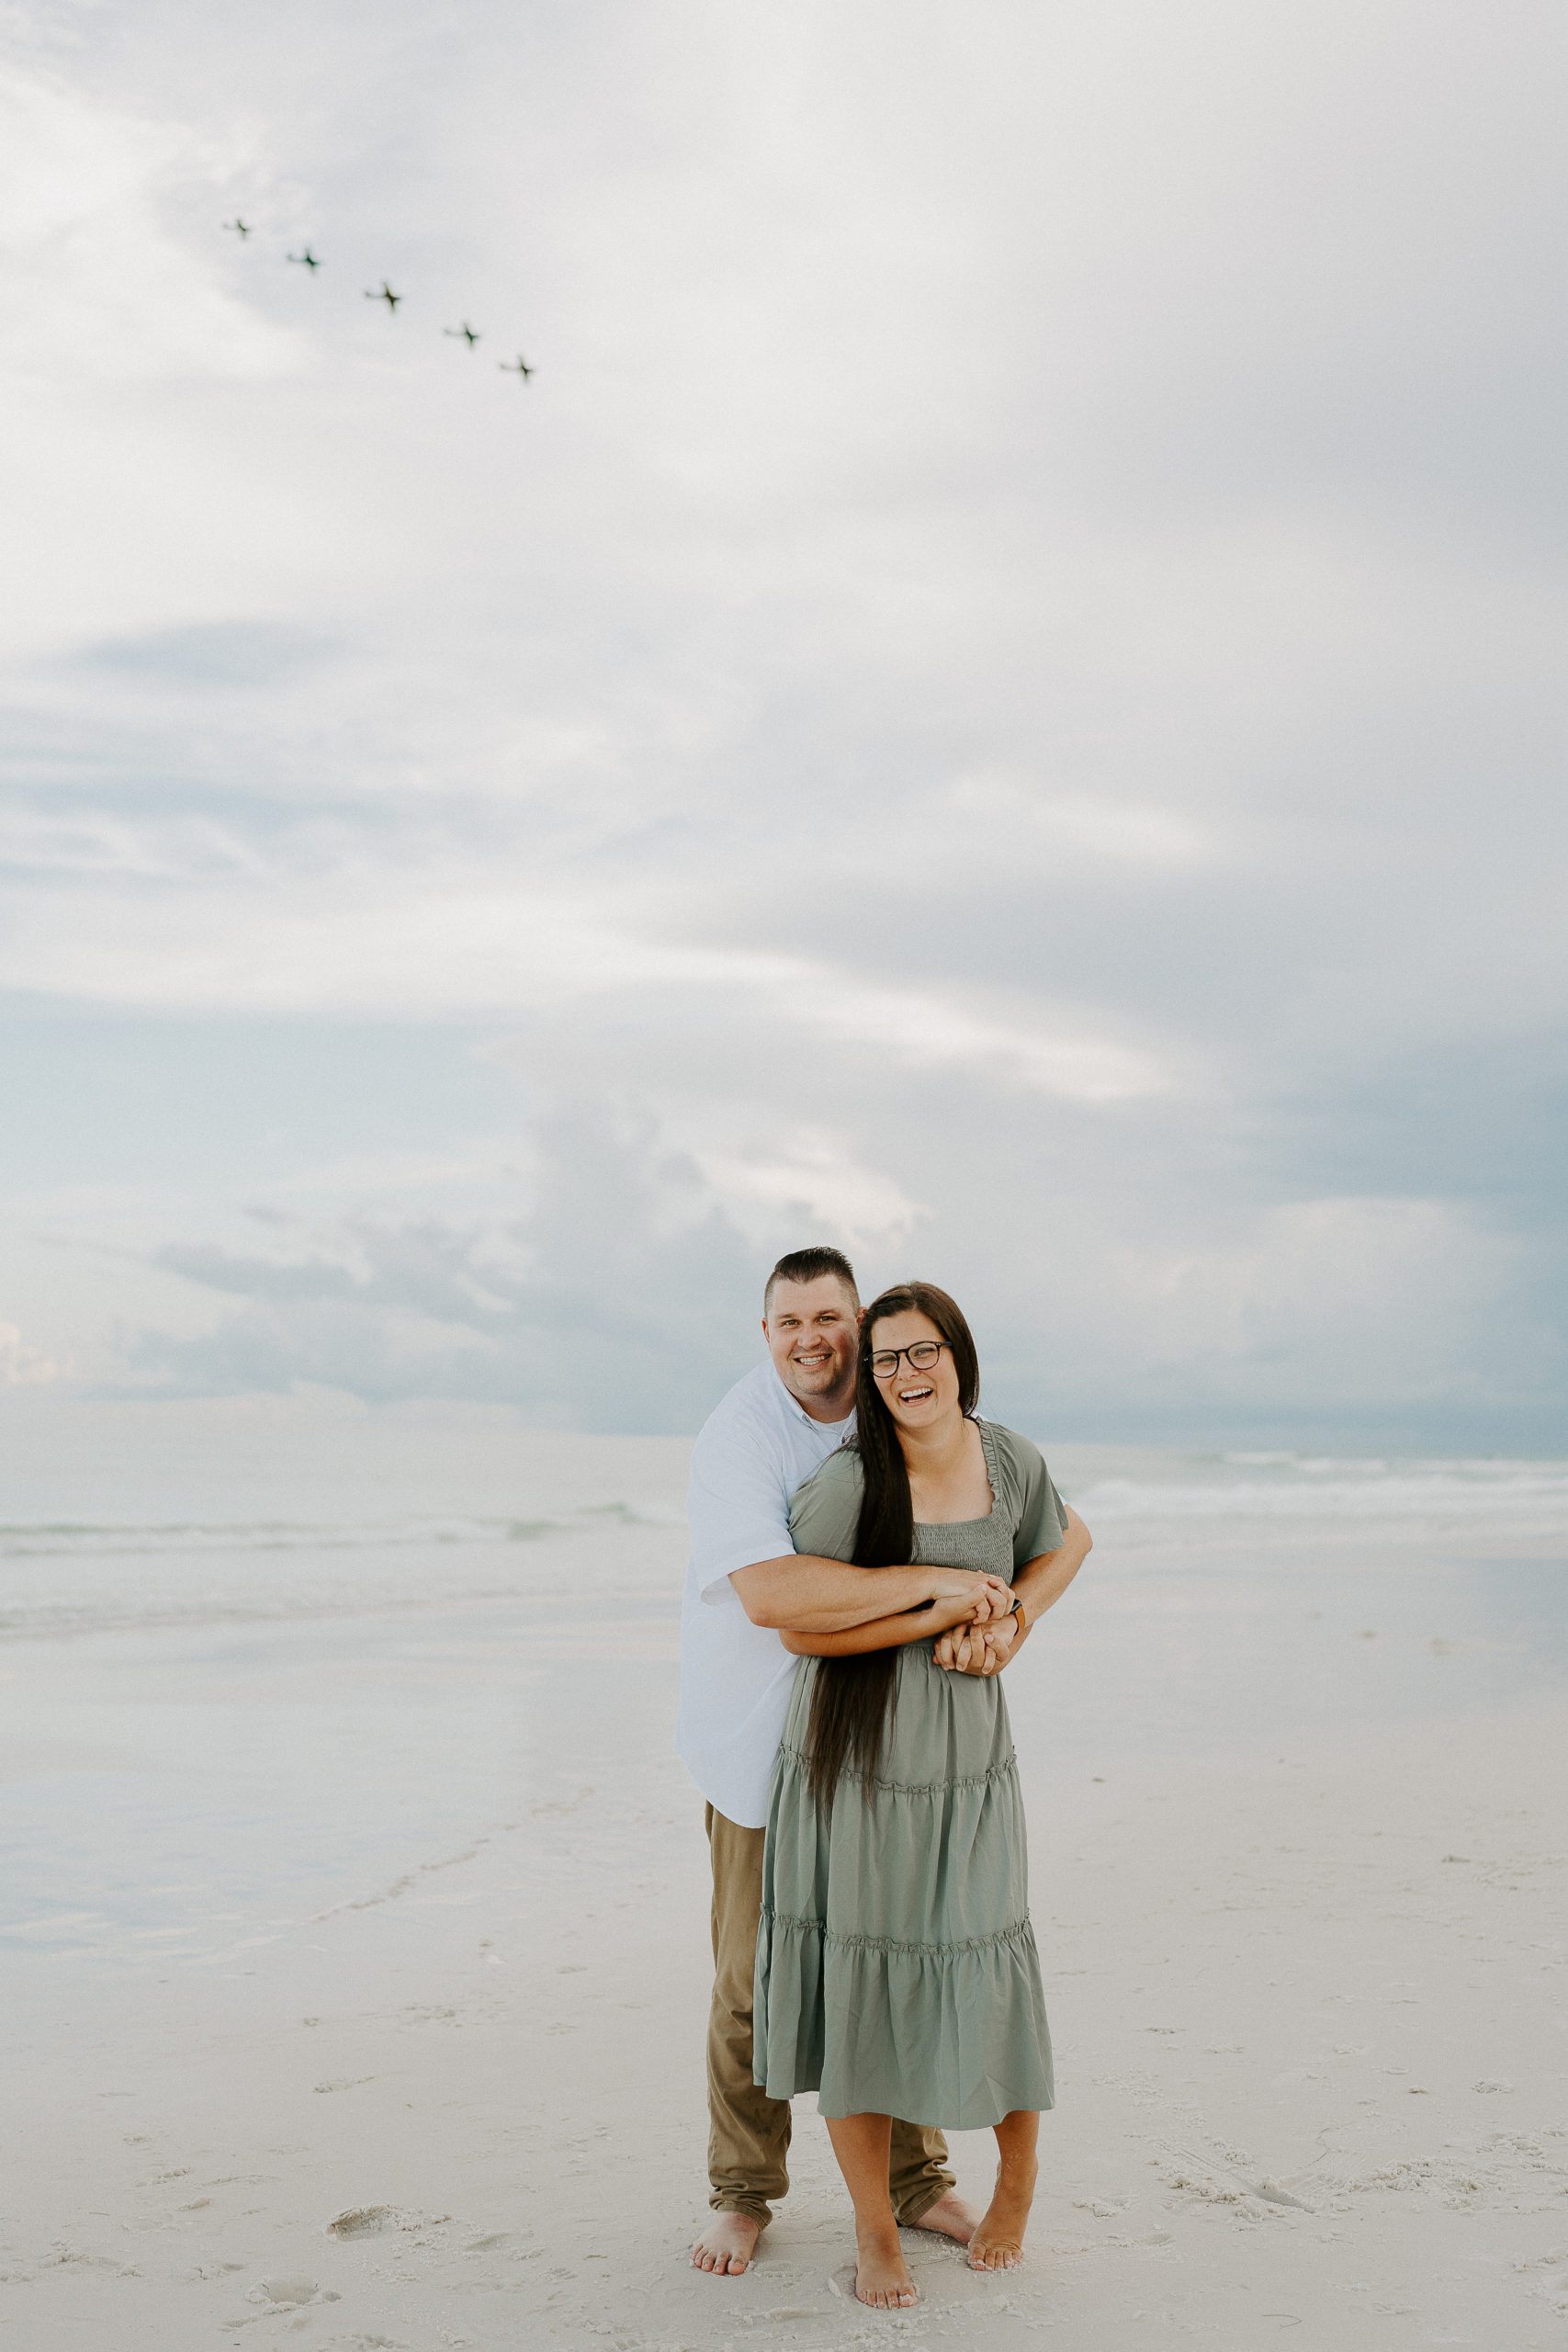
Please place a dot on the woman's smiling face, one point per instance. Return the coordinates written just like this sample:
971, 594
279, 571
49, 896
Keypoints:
917, 1400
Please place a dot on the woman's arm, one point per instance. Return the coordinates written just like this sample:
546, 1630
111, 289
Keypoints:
1039, 1583
918, 1624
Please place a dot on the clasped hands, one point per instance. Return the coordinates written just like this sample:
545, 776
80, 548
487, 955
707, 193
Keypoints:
984, 1640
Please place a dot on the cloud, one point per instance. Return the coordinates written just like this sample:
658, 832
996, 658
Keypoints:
1049, 1053
999, 696
96, 283
211, 653
623, 1258
807, 1173
621, 1290
1355, 1302
22, 1366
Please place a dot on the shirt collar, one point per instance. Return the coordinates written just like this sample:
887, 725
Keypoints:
793, 1401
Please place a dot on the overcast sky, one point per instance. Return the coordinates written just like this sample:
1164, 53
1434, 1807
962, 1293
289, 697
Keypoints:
999, 698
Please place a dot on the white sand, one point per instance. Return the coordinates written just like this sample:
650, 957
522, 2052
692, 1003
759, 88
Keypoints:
342, 1880
1312, 2026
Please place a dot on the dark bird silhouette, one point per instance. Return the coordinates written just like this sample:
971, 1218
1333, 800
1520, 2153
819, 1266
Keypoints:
307, 257
465, 333
384, 294
518, 367
242, 228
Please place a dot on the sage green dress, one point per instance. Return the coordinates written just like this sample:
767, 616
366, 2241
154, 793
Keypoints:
897, 1972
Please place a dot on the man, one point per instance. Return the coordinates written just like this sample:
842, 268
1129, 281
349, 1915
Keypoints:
746, 1581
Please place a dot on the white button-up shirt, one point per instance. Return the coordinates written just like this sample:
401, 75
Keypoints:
755, 1449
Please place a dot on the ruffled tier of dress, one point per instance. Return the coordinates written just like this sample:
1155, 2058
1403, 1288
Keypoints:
897, 1968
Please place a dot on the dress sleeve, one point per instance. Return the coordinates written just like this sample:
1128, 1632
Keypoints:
824, 1514
1042, 1516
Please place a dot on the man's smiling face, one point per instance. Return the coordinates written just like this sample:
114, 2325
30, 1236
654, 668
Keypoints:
812, 1328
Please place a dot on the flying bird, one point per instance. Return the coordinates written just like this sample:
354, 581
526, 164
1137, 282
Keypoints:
384, 294
465, 333
519, 368
307, 257
242, 227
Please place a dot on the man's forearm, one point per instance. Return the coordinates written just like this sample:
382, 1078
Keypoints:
877, 1634
803, 1593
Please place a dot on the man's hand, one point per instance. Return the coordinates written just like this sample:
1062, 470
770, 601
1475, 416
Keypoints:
973, 1598
984, 1599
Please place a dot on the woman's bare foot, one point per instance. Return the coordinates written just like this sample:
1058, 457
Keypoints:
951, 2215
728, 2242
882, 2276
998, 2243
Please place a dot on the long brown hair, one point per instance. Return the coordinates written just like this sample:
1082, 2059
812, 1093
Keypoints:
852, 1699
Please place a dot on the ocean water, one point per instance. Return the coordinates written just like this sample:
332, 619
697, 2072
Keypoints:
260, 1663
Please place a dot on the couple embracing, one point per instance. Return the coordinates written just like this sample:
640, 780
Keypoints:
867, 1557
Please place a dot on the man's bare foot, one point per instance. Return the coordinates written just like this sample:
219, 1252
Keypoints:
998, 2243
951, 2215
882, 2276
728, 2242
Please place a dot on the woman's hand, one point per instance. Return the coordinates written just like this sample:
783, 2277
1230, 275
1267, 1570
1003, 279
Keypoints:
978, 1649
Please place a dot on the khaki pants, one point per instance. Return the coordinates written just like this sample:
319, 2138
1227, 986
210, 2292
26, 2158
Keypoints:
749, 2131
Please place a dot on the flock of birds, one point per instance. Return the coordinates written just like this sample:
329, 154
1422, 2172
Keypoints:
383, 293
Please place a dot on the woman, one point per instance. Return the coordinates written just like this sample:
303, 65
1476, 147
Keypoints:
897, 1972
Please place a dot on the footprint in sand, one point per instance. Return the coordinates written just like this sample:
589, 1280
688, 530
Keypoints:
363, 2222
283, 2290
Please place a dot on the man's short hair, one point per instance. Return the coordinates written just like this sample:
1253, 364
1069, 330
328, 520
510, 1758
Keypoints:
809, 1266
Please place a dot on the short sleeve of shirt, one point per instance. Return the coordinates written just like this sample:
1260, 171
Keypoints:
824, 1514
1041, 1514
736, 1510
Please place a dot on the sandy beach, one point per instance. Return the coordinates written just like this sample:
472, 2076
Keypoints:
356, 1974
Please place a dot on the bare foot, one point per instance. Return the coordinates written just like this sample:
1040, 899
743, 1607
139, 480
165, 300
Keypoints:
728, 2242
998, 2243
882, 2276
951, 2215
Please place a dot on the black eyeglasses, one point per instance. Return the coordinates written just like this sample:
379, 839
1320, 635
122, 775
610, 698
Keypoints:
922, 1357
